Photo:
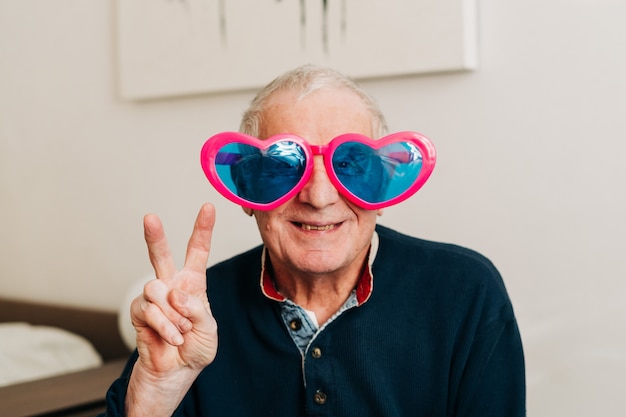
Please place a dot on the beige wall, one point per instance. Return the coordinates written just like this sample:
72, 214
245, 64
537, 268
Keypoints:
530, 173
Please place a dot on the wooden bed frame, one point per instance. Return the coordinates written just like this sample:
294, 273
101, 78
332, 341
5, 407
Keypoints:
76, 394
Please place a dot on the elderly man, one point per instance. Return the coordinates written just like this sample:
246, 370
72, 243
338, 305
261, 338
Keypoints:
333, 315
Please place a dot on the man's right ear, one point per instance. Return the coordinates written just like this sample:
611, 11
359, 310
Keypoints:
247, 210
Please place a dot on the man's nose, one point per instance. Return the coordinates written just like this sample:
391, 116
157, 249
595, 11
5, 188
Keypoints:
319, 192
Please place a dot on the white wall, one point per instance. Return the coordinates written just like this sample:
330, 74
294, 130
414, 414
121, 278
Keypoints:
530, 173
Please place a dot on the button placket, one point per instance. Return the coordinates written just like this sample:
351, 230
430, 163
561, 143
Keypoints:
319, 381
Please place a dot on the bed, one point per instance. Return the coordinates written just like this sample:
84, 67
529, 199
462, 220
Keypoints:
76, 354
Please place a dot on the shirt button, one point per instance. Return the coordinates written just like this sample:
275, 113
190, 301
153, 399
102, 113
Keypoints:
316, 353
295, 325
319, 397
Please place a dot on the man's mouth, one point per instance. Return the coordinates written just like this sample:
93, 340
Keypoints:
318, 228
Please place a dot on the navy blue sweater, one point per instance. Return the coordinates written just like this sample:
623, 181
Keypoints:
437, 337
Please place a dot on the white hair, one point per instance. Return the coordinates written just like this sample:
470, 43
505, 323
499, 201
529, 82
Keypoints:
305, 80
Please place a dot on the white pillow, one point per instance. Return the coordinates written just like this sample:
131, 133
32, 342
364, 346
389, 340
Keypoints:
30, 352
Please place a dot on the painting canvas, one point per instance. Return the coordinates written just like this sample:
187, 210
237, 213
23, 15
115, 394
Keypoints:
177, 47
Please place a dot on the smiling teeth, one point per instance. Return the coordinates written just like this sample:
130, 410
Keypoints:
319, 228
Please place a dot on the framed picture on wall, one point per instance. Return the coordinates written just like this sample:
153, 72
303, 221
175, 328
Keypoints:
179, 47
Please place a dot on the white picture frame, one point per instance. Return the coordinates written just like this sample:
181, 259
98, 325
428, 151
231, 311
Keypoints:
179, 47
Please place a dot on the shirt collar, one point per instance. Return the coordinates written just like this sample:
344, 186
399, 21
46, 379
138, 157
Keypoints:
364, 286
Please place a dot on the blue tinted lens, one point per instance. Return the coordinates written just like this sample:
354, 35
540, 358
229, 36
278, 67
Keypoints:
260, 176
377, 175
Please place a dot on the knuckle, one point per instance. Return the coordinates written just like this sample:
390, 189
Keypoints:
152, 289
150, 285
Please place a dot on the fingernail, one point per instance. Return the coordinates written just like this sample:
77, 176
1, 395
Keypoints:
177, 340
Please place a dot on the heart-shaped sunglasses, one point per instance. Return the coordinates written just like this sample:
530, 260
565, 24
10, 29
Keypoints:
263, 174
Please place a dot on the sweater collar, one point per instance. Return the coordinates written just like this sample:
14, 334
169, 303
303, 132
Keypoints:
363, 289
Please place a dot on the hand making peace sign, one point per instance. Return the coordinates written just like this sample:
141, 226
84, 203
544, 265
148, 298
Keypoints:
176, 332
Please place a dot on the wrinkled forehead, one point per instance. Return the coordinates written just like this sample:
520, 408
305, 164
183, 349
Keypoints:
317, 117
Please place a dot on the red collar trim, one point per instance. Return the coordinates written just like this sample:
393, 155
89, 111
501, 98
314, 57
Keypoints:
268, 287
365, 285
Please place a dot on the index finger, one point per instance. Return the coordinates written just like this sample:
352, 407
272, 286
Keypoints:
199, 245
158, 248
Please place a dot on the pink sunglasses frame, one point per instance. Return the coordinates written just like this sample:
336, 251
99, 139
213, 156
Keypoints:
213, 145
